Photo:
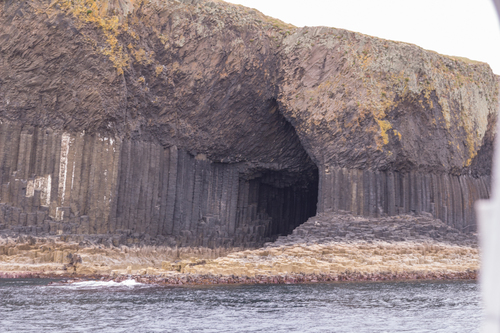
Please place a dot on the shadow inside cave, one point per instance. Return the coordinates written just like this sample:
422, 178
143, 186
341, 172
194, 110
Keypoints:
277, 202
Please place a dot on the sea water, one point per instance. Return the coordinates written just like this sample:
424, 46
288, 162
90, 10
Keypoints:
31, 305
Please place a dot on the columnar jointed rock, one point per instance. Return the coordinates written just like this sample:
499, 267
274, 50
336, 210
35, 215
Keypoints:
89, 184
208, 124
393, 128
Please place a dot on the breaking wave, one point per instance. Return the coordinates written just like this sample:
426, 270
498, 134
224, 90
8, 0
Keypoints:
104, 284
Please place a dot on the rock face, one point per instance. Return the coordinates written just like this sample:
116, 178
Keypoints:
207, 124
326, 228
393, 128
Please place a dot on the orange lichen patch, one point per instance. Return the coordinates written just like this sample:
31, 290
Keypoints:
97, 12
471, 148
397, 134
140, 56
384, 127
158, 70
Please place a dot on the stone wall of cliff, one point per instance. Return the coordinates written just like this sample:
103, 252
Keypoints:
393, 128
204, 123
61, 183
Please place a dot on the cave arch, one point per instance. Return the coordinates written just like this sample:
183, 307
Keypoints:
274, 200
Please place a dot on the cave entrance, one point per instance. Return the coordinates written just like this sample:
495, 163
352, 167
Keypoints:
287, 199
273, 201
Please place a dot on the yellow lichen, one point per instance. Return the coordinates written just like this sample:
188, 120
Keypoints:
96, 12
158, 70
384, 127
397, 133
140, 55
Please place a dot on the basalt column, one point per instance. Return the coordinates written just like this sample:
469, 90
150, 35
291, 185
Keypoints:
448, 197
56, 181
78, 183
274, 203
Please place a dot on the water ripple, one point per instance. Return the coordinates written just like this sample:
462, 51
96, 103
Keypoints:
33, 306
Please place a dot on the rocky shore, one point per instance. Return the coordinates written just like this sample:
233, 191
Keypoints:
190, 279
344, 227
328, 247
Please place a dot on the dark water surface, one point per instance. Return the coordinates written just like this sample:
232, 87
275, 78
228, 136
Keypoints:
32, 306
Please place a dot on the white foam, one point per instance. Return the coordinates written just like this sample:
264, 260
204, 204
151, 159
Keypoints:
104, 284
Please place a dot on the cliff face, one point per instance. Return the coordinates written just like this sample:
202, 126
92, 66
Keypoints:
211, 124
367, 103
393, 128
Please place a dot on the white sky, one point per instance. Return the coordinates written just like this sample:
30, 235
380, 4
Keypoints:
466, 28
